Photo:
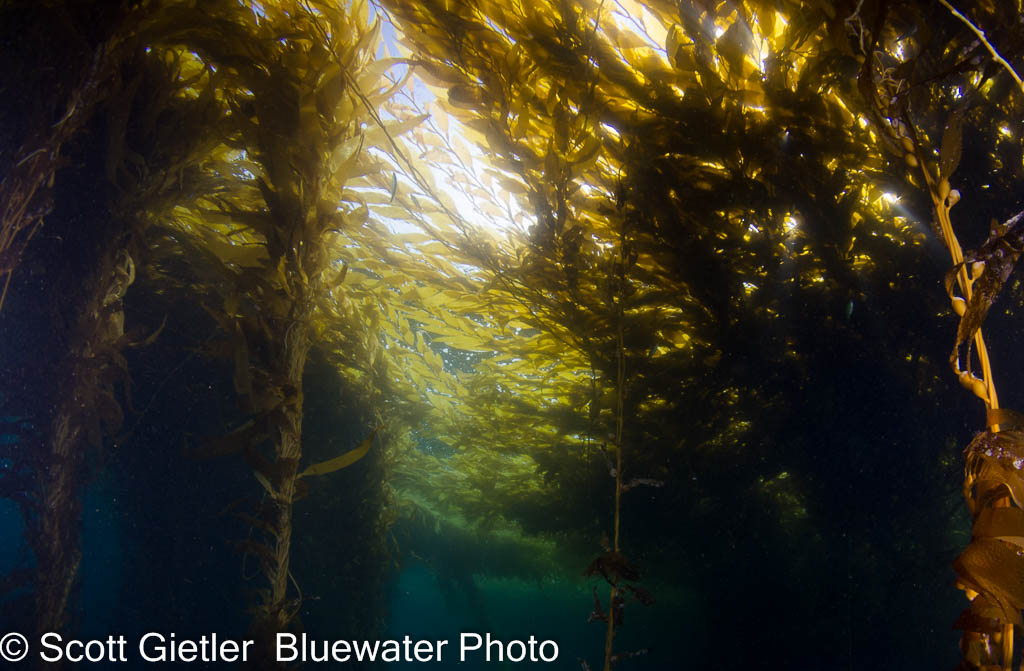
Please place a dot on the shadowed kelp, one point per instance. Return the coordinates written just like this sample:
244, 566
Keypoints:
720, 291
296, 139
120, 130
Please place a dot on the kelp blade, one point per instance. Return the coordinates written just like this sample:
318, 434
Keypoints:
340, 462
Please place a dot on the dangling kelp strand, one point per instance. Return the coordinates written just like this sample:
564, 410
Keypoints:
989, 569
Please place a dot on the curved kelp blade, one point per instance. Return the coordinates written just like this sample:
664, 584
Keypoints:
347, 459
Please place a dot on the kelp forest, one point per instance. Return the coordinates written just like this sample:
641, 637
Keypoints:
575, 335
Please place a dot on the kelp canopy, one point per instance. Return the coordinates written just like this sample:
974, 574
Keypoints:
663, 273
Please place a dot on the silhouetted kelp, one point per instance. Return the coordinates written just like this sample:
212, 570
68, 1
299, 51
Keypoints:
678, 305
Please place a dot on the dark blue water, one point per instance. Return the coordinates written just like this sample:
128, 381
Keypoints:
102, 561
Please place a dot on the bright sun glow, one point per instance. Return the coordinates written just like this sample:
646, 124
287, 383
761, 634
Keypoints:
503, 212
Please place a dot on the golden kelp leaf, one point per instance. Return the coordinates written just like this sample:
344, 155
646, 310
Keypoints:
1006, 524
952, 137
242, 254
673, 38
623, 38
466, 96
522, 123
361, 13
997, 570
980, 492
347, 459
587, 150
1005, 418
733, 45
983, 615
378, 99
339, 279
991, 466
151, 338
345, 157
378, 137
329, 91
439, 74
262, 479
766, 21
372, 76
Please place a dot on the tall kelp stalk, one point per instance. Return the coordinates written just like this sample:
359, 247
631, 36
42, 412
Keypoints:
613, 566
937, 97
297, 79
131, 167
93, 44
48, 119
150, 144
84, 411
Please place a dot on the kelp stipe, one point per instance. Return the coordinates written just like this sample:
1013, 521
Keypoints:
120, 126
295, 143
84, 350
990, 569
613, 566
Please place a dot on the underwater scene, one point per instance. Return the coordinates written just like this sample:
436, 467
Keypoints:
500, 334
